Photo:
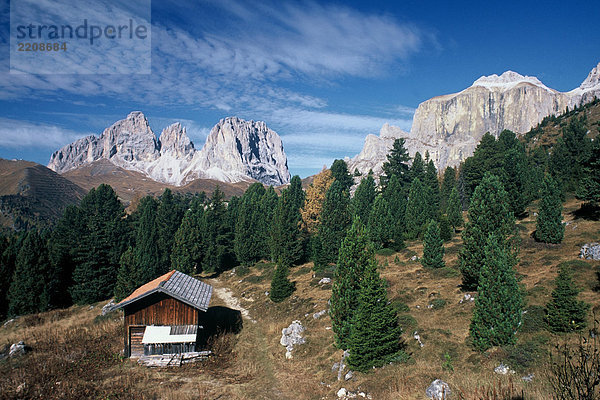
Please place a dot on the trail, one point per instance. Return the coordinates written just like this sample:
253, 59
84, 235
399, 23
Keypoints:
230, 300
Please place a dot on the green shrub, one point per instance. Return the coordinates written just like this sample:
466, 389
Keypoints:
438, 304
302, 271
254, 279
447, 364
407, 322
400, 306
445, 272
523, 356
242, 270
385, 252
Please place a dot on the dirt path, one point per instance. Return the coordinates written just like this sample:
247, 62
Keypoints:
230, 300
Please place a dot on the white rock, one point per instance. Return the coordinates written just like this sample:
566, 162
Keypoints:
502, 369
325, 281
108, 307
438, 390
590, 251
342, 393
528, 378
348, 376
17, 349
292, 336
319, 314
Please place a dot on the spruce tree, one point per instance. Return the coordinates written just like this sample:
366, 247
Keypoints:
588, 188
488, 157
498, 306
281, 287
448, 183
565, 312
146, 251
549, 226
374, 332
454, 210
355, 254
250, 235
417, 210
433, 247
514, 179
217, 234
335, 220
417, 169
286, 238
381, 223
489, 213
397, 164
127, 277
432, 187
363, 199
188, 249
28, 292
446, 230
339, 171
395, 197
169, 214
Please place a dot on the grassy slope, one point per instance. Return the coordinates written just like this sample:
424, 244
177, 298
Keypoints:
252, 364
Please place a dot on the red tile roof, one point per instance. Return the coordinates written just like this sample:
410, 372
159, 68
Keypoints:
148, 287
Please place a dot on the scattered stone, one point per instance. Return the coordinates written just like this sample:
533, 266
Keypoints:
342, 393
535, 214
18, 349
21, 388
414, 258
335, 367
10, 321
324, 281
590, 251
528, 378
319, 314
108, 307
90, 307
503, 369
467, 297
438, 390
430, 306
418, 338
292, 336
348, 376
266, 293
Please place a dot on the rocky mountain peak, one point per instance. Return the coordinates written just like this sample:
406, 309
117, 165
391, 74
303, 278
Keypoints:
593, 78
174, 141
507, 80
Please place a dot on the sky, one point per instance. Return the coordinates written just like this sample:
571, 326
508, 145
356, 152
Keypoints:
321, 74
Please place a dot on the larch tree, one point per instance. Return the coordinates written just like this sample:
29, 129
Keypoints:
146, 252
315, 197
395, 196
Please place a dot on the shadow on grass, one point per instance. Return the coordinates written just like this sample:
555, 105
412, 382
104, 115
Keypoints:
588, 212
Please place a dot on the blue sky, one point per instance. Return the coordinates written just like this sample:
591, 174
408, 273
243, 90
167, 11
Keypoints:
321, 74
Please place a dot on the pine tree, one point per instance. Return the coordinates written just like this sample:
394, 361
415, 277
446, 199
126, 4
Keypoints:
565, 312
397, 164
27, 293
499, 302
549, 226
588, 188
374, 333
188, 249
432, 190
250, 235
286, 238
489, 213
417, 169
281, 287
433, 247
446, 230
146, 252
448, 183
381, 223
169, 214
335, 219
354, 256
454, 210
514, 179
395, 197
97, 252
339, 171
363, 199
315, 197
217, 234
488, 157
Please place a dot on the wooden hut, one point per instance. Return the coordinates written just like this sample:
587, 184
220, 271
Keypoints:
163, 316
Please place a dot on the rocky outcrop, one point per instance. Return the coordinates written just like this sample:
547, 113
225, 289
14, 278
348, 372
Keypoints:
590, 251
438, 390
449, 127
292, 336
236, 150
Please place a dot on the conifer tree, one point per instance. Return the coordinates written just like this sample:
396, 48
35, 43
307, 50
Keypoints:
315, 197
217, 234
549, 226
169, 214
335, 220
417, 169
514, 179
397, 164
339, 171
565, 312
588, 188
281, 287
448, 183
188, 249
381, 223
127, 277
97, 252
146, 252
395, 197
433, 247
489, 213
286, 238
363, 199
445, 229
355, 254
28, 293
432, 190
417, 210
374, 333
250, 234
488, 157
454, 210
499, 302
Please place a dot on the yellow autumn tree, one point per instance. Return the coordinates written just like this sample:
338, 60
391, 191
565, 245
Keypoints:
315, 196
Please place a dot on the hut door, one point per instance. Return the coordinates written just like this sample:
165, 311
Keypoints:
136, 334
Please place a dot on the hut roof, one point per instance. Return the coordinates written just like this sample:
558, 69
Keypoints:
176, 284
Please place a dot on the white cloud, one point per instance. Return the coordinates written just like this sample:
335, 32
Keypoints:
18, 134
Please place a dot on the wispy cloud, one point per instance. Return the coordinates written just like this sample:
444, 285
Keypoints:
22, 134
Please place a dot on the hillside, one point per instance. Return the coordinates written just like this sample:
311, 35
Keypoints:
252, 365
33, 194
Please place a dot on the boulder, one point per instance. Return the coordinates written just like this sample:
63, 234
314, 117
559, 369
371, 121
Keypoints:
438, 390
348, 376
324, 281
18, 349
319, 314
590, 251
342, 393
502, 369
108, 307
292, 336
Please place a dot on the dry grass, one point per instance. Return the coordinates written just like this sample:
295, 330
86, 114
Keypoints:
83, 355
